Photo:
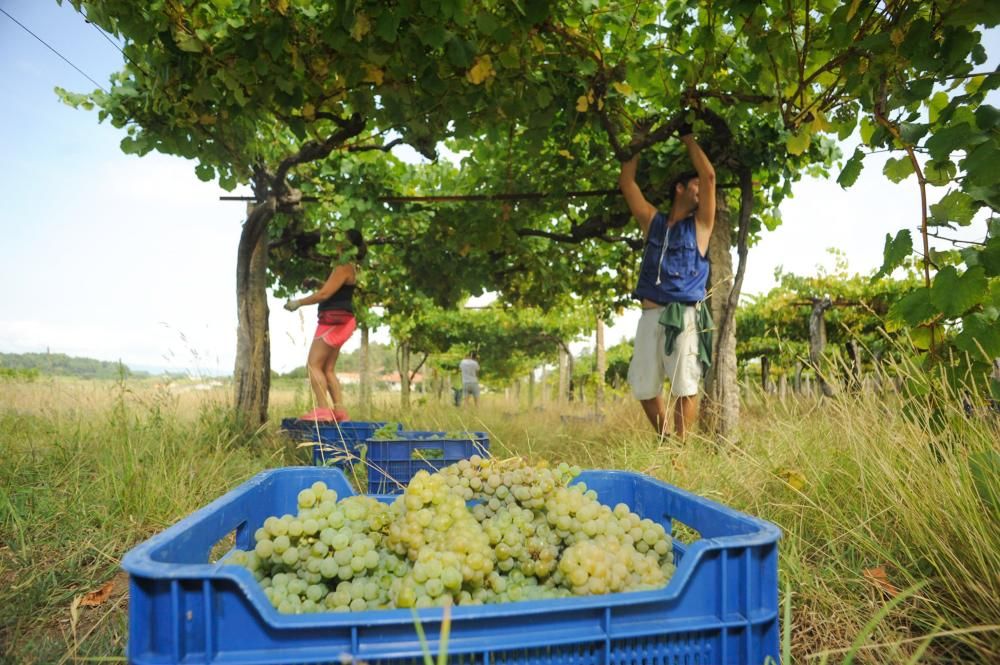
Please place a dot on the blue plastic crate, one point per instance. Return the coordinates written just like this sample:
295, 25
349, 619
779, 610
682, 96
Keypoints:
721, 605
393, 462
338, 442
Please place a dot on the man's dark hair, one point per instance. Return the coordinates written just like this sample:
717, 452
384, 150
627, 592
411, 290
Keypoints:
681, 179
356, 239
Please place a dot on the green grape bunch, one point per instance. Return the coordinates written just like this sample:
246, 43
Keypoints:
387, 432
481, 531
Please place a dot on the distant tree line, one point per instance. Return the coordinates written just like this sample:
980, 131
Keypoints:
59, 364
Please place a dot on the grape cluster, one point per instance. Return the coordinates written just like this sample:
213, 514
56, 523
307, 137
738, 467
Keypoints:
552, 539
433, 528
386, 432
327, 557
528, 534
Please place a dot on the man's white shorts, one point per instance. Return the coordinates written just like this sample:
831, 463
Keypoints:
650, 365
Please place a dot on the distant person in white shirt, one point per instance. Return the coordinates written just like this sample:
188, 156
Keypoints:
470, 377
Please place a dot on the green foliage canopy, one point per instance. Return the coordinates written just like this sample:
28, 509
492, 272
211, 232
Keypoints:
546, 96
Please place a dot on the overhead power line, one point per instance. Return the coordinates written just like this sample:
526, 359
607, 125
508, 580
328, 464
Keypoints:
106, 36
514, 196
52, 48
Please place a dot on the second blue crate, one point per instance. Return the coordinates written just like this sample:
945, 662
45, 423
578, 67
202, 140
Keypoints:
337, 443
393, 462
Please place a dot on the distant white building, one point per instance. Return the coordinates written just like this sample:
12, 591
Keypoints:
394, 381
349, 378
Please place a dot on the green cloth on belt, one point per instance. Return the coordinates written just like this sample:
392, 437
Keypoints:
672, 319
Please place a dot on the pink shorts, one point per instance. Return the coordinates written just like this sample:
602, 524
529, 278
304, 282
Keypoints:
335, 327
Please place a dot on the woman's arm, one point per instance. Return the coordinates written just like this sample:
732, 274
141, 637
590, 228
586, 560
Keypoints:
338, 277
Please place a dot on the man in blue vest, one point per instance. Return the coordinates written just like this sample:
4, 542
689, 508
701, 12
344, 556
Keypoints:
673, 338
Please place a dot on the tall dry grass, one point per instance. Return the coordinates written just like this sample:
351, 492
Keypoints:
88, 469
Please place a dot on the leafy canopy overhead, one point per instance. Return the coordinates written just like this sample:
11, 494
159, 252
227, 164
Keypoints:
242, 83
547, 96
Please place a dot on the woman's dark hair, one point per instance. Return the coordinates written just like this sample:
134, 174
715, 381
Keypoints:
358, 241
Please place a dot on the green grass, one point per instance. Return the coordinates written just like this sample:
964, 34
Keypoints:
89, 469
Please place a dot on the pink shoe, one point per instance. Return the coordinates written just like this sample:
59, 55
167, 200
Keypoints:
319, 415
340, 415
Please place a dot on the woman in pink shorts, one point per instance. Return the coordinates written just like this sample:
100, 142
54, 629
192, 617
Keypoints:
336, 324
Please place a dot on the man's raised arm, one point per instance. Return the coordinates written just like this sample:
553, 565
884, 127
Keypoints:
705, 216
641, 209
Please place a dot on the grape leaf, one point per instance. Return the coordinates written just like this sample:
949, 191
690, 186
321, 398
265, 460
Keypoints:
898, 169
896, 251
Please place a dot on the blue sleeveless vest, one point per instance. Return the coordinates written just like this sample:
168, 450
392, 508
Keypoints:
672, 268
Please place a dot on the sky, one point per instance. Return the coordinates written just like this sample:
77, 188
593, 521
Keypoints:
117, 257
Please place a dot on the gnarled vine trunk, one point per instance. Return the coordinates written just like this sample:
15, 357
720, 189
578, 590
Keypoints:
722, 397
252, 372
817, 342
403, 365
563, 376
366, 377
725, 394
601, 365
